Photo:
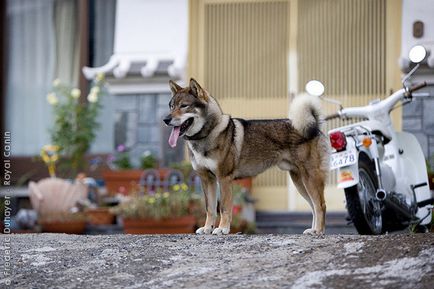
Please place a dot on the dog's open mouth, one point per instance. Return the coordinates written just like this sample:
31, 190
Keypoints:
178, 131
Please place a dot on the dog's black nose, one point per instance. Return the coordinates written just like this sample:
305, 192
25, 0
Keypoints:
167, 119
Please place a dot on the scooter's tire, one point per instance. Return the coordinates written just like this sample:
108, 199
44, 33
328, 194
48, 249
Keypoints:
364, 210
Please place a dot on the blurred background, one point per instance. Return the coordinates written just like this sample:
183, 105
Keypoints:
254, 56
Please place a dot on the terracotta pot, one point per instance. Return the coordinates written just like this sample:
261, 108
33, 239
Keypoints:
245, 183
121, 181
100, 216
181, 225
68, 227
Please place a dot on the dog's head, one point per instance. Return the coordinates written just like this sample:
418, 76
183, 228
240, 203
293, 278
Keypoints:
188, 109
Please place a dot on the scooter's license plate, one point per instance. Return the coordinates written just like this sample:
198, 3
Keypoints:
343, 159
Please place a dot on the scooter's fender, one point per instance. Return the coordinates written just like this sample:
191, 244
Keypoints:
348, 176
413, 161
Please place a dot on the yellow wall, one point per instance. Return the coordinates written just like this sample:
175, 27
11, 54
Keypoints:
254, 55
239, 50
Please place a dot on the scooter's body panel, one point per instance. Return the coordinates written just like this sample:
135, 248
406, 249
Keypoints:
404, 155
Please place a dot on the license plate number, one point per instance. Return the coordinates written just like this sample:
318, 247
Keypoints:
342, 159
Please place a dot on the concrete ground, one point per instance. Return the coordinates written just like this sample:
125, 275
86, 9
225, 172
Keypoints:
234, 261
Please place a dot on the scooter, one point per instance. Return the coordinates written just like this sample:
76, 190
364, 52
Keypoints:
382, 171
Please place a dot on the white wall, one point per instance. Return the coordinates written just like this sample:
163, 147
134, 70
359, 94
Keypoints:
417, 10
151, 27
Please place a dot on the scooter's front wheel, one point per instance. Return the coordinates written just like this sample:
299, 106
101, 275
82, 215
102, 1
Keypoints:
362, 205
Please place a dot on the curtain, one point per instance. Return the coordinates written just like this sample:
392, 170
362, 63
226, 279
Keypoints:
102, 27
102, 31
29, 75
67, 41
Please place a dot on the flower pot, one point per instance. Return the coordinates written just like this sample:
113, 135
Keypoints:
100, 216
68, 227
121, 181
180, 225
245, 183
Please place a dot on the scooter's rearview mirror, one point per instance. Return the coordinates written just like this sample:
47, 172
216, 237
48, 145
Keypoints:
315, 88
417, 54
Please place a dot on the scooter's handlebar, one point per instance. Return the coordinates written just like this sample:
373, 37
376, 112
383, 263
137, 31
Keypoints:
373, 109
414, 88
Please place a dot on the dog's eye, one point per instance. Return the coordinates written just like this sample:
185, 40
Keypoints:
184, 105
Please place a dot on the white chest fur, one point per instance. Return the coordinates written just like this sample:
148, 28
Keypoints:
200, 161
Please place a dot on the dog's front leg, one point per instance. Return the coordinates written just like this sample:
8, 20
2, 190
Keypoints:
225, 207
209, 187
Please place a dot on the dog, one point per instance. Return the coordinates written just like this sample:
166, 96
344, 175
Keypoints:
222, 148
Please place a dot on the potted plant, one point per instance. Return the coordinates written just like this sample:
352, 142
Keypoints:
148, 161
122, 177
55, 202
73, 132
75, 123
161, 213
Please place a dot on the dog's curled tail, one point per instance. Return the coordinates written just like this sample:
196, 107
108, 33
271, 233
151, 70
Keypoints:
305, 114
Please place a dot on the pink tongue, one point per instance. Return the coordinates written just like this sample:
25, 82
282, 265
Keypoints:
173, 138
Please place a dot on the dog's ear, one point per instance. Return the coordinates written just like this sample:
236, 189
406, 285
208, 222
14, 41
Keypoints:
174, 87
197, 90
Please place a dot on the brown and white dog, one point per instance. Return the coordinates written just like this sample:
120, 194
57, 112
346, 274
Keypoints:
222, 148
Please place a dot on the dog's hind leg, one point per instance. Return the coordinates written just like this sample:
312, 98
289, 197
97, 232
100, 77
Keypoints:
298, 182
315, 183
225, 207
209, 187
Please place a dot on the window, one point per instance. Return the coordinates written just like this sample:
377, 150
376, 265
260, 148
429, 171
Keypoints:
138, 126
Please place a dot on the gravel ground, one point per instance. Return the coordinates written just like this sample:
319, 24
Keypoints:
234, 261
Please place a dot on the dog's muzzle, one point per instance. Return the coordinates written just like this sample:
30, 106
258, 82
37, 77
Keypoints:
167, 119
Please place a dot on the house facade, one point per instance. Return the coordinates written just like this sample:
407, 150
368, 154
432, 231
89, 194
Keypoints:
254, 56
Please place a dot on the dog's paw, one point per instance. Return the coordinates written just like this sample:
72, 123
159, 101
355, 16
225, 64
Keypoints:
309, 232
221, 231
313, 232
204, 230
319, 233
